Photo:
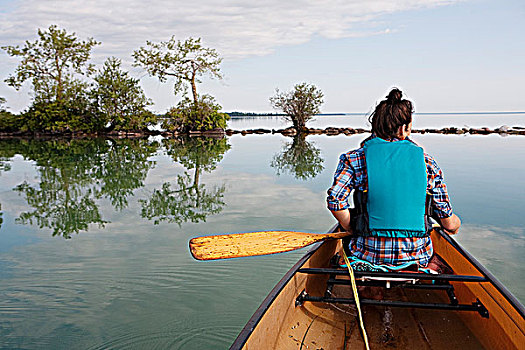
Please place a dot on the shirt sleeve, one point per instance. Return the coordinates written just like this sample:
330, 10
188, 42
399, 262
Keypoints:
437, 188
344, 182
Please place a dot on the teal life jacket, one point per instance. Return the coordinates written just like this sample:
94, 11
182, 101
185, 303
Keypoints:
397, 183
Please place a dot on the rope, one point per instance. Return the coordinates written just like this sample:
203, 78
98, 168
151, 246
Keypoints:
356, 297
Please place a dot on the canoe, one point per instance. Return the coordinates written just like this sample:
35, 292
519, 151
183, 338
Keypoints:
312, 307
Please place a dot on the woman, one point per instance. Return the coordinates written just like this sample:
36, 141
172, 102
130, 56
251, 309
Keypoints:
394, 176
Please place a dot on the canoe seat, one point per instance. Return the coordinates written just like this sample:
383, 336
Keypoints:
366, 266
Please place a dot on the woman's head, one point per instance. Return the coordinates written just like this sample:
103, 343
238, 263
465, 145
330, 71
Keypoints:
390, 115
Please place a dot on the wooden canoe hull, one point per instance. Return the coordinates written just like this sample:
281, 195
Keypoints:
280, 324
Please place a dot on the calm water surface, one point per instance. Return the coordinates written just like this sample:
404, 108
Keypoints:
94, 233
421, 121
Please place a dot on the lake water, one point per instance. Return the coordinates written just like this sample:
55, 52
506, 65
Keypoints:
94, 233
421, 121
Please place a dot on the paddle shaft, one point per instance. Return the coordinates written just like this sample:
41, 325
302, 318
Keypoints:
255, 243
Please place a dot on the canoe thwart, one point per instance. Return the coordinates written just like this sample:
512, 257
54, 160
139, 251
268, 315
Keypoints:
337, 281
476, 306
399, 283
405, 275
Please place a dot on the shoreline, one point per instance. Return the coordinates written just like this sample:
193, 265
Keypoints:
219, 133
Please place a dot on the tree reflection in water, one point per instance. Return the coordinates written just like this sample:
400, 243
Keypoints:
189, 200
299, 158
125, 168
5, 165
76, 173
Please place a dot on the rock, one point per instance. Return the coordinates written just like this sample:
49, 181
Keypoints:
332, 131
314, 131
288, 131
215, 131
450, 130
259, 131
482, 131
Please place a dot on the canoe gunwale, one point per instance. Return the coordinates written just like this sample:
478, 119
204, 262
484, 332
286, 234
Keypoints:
245, 333
518, 306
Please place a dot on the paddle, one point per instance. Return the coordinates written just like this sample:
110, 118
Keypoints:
254, 243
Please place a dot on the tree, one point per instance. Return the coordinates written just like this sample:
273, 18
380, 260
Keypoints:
51, 63
300, 104
75, 114
203, 115
185, 61
9, 122
120, 98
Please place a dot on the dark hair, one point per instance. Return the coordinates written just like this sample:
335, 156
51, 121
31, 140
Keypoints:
390, 114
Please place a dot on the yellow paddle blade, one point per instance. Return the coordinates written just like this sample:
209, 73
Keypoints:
254, 243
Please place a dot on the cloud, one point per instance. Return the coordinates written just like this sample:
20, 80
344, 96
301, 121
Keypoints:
235, 28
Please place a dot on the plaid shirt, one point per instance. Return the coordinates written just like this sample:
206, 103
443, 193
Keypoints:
351, 174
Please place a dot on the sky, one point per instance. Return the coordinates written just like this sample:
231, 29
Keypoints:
445, 55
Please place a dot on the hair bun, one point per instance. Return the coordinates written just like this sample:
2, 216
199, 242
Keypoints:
394, 96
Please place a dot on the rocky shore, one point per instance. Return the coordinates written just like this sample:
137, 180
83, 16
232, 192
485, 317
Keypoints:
330, 131
503, 130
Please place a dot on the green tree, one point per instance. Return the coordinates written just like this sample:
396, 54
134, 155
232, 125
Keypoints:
51, 63
299, 105
73, 115
299, 158
185, 61
9, 122
120, 98
203, 115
